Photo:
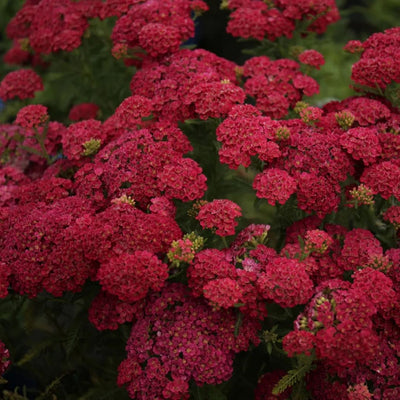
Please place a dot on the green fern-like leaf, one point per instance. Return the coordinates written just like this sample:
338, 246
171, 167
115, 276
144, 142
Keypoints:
294, 376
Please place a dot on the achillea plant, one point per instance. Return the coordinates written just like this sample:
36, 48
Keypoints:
175, 225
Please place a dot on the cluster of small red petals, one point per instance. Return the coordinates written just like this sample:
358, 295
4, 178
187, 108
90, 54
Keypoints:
321, 13
174, 85
182, 179
215, 99
383, 178
341, 318
32, 116
176, 334
46, 190
109, 312
130, 276
219, 214
362, 144
4, 358
255, 19
252, 235
158, 27
377, 65
159, 39
45, 247
285, 282
224, 292
208, 265
163, 206
83, 111
276, 85
317, 194
22, 84
122, 228
378, 286
50, 25
298, 342
392, 214
244, 134
321, 153
354, 46
317, 241
366, 111
312, 57
310, 114
359, 248
131, 111
78, 134
275, 185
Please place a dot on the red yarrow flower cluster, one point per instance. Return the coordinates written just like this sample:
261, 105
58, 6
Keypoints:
175, 335
32, 116
312, 57
22, 84
285, 282
275, 185
131, 276
377, 65
219, 214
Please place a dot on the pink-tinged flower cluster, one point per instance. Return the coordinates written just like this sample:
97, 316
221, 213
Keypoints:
272, 20
44, 246
285, 282
22, 84
224, 292
32, 116
83, 111
220, 215
122, 228
392, 214
383, 178
315, 193
131, 111
177, 339
317, 241
312, 58
50, 25
131, 276
275, 185
351, 330
142, 164
377, 65
109, 312
182, 179
187, 85
276, 85
360, 247
4, 358
245, 133
362, 144
158, 27
80, 133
